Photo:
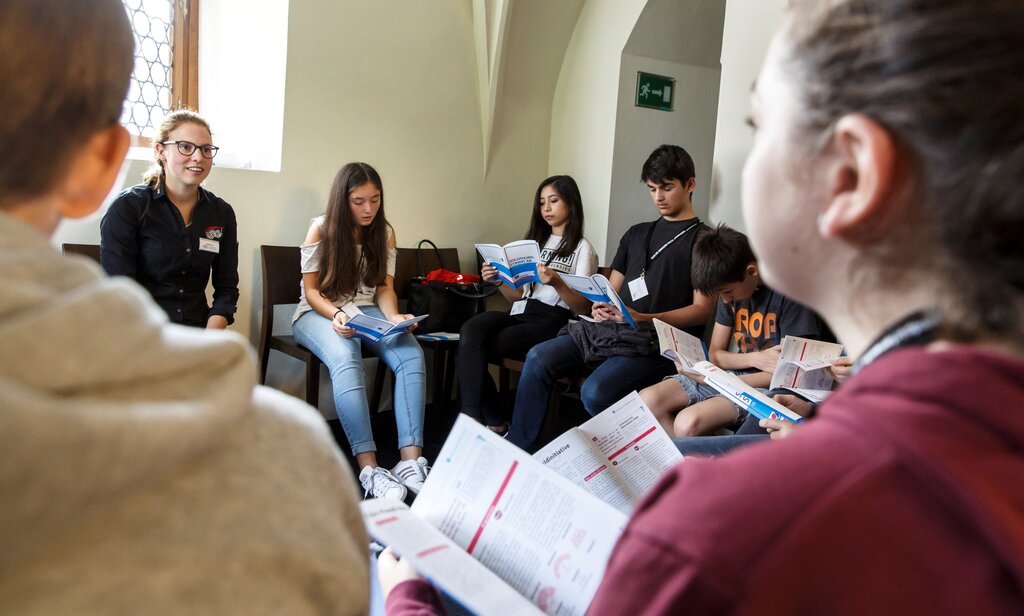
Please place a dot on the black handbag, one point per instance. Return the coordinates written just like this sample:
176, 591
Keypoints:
449, 304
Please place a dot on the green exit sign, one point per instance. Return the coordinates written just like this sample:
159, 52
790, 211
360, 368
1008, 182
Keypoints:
654, 91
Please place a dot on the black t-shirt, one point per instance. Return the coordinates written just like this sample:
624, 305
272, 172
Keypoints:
144, 237
668, 276
762, 320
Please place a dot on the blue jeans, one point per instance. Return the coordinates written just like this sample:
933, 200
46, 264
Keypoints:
344, 360
551, 360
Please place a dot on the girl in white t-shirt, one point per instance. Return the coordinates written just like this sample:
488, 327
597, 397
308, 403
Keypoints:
538, 310
348, 268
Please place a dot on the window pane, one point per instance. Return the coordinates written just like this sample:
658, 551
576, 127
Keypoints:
149, 96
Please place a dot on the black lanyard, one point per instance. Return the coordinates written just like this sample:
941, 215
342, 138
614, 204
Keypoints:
916, 329
648, 257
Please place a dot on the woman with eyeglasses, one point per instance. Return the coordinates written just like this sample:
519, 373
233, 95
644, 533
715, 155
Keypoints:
171, 235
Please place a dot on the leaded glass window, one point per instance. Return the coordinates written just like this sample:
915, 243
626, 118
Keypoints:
164, 76
149, 93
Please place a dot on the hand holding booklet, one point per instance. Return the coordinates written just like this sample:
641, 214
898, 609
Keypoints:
684, 349
522, 529
516, 262
502, 532
596, 288
803, 367
373, 329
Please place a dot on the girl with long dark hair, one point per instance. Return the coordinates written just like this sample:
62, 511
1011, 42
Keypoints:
348, 268
539, 310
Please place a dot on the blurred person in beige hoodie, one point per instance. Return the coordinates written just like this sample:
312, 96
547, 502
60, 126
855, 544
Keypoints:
143, 470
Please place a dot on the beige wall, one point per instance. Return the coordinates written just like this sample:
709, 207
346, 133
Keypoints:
586, 99
599, 136
681, 40
748, 28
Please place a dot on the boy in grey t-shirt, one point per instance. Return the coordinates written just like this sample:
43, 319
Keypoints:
750, 318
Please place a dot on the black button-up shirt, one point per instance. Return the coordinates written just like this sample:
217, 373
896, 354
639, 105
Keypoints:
144, 237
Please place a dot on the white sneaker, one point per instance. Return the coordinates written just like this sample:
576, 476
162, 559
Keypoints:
380, 483
412, 473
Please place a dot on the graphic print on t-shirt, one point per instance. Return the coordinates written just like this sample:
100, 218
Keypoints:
566, 265
755, 330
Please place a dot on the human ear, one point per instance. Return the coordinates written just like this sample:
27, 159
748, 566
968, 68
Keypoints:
861, 181
92, 171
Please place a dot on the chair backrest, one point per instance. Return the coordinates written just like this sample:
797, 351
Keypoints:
86, 250
605, 271
281, 277
407, 267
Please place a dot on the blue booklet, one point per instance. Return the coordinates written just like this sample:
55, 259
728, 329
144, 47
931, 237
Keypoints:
372, 329
596, 288
516, 262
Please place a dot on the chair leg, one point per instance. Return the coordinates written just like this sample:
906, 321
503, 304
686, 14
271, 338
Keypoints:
438, 379
449, 375
446, 420
504, 376
313, 382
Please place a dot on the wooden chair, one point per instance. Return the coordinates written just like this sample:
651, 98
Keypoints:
281, 277
86, 250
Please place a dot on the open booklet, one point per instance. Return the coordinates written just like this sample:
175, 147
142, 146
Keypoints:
684, 349
596, 288
617, 455
743, 395
373, 329
498, 531
516, 262
803, 367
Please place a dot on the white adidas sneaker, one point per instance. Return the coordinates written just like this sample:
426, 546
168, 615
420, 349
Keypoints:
380, 483
412, 473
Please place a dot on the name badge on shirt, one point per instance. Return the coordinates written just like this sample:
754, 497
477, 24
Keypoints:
518, 307
637, 288
209, 245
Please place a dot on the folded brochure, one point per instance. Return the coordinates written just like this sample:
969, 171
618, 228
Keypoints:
373, 329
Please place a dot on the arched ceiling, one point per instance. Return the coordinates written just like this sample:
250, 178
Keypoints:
520, 45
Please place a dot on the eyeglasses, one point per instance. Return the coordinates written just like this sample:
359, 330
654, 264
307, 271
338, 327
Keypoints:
186, 148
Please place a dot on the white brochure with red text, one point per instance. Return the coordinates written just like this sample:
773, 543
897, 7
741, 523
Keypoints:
542, 535
803, 364
617, 456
